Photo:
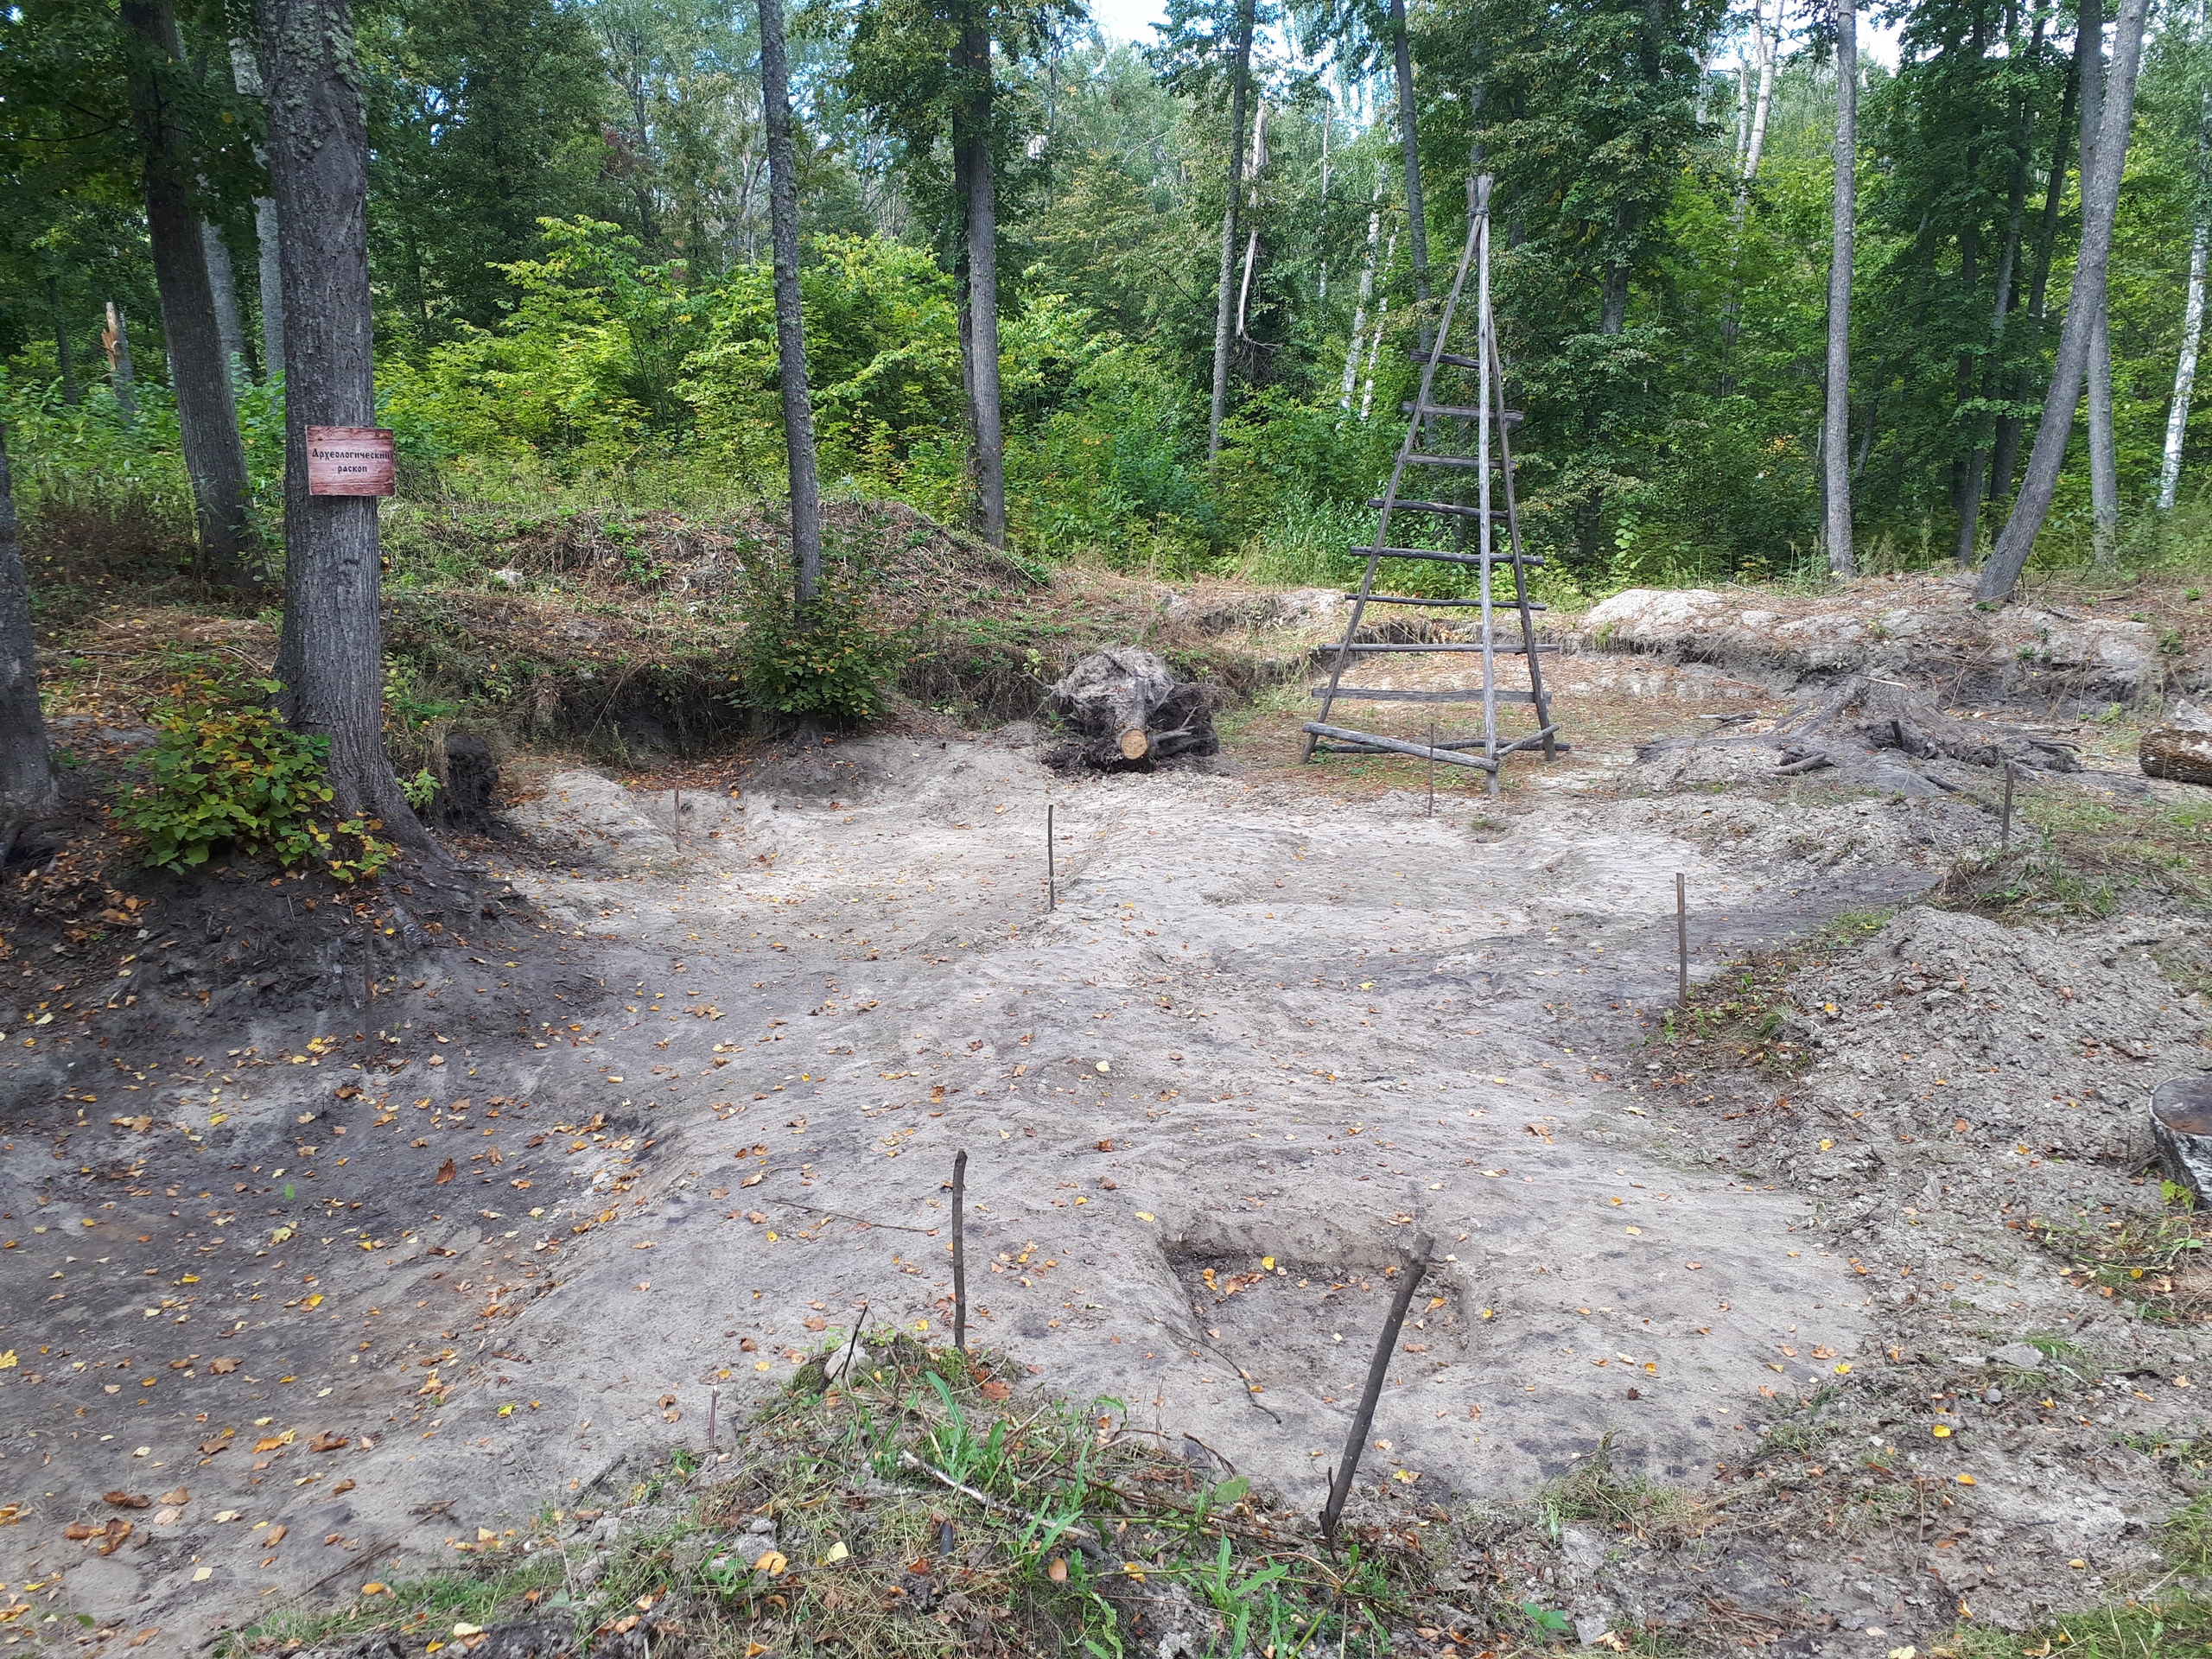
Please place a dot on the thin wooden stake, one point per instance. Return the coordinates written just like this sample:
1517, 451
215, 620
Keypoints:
1432, 768
1377, 1371
2004, 827
1052, 887
1681, 942
714, 1407
960, 1251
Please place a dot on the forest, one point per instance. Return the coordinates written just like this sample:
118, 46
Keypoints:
1206, 277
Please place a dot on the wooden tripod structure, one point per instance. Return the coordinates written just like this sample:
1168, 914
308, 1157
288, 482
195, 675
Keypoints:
1430, 425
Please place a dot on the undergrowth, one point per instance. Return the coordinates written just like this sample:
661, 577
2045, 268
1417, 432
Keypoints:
1746, 1007
2071, 857
2151, 1261
920, 1507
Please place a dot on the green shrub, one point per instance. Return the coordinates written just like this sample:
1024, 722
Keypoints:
227, 772
835, 665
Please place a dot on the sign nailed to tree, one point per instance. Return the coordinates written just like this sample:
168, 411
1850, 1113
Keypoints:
350, 461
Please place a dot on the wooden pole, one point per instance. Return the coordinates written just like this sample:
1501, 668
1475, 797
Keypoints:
1432, 768
960, 1252
1051, 892
1378, 1369
2005, 823
1681, 942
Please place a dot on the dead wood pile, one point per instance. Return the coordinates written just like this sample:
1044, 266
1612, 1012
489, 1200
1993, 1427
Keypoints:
1876, 732
2180, 750
1124, 708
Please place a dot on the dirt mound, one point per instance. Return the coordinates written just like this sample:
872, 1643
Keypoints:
2032, 1023
1923, 631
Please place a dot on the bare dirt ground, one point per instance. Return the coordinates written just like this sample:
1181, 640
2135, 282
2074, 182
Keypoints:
355, 1278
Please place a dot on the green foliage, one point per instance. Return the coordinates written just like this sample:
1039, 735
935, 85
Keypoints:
225, 773
833, 663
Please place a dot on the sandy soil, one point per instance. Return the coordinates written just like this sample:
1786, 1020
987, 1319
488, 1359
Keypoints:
610, 1173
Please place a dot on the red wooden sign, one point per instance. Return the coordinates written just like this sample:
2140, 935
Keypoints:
350, 461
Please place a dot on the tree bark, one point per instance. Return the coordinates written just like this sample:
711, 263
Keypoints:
207, 423
791, 335
330, 658
2100, 200
972, 134
1225, 299
2104, 479
28, 793
116, 338
2192, 333
1366, 293
1259, 159
64, 360
1991, 374
223, 288
1766, 47
1836, 437
1409, 142
245, 75
2005, 455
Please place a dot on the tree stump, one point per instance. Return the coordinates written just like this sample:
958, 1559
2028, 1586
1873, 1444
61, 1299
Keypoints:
1125, 709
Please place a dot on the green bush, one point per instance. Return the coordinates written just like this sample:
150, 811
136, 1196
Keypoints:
834, 665
227, 772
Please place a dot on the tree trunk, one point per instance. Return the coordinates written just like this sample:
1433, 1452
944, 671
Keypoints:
1766, 46
2099, 204
1225, 300
1259, 159
2192, 332
1409, 142
208, 422
331, 658
245, 75
2104, 480
1382, 316
1836, 438
2005, 456
1366, 293
26, 786
972, 134
63, 359
223, 288
791, 336
116, 338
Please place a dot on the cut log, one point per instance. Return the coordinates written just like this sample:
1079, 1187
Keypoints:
1126, 708
2181, 756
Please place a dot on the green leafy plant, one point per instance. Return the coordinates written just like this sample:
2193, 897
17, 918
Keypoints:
834, 664
225, 771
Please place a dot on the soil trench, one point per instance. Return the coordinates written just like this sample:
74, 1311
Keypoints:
1261, 1041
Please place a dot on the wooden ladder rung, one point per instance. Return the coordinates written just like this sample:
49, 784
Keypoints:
1381, 694
1529, 562
1460, 412
1369, 742
1452, 507
1501, 602
1498, 648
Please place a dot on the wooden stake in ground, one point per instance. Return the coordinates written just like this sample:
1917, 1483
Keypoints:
1340, 1485
960, 1251
2004, 823
1051, 888
1681, 941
